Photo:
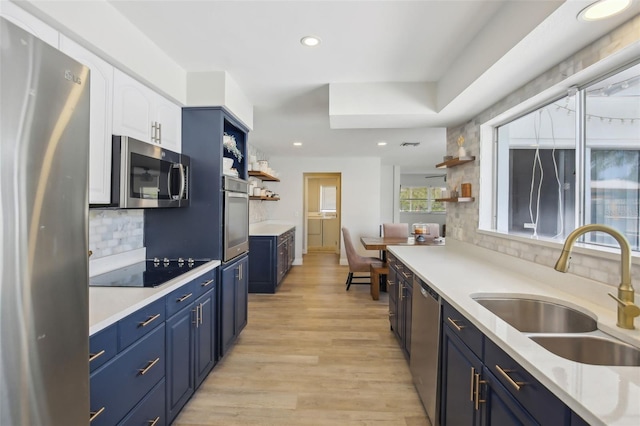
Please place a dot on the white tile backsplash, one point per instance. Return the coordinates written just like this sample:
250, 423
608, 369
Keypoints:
115, 231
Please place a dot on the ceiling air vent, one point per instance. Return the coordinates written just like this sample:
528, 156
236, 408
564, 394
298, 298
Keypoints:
410, 144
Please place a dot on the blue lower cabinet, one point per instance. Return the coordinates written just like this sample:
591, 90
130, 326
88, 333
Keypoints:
102, 347
233, 301
180, 378
191, 350
120, 384
150, 411
205, 336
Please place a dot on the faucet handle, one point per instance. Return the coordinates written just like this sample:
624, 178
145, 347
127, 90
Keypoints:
629, 308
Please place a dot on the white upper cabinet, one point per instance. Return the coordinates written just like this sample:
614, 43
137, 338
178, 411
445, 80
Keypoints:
101, 89
24, 20
141, 113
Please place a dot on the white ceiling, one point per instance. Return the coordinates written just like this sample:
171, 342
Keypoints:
472, 52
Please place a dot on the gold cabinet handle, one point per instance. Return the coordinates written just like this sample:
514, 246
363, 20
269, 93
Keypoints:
477, 391
406, 275
455, 324
145, 370
93, 357
473, 382
154, 422
196, 311
206, 283
185, 297
150, 320
505, 374
94, 414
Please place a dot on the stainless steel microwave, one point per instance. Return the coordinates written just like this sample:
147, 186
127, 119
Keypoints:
147, 176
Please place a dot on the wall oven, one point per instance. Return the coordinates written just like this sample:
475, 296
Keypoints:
236, 217
147, 176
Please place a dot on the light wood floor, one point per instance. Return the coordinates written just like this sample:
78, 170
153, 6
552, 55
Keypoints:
312, 354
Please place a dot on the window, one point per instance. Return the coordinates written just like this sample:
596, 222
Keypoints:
328, 197
421, 199
574, 161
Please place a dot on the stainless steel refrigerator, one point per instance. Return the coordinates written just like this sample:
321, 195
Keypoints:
44, 143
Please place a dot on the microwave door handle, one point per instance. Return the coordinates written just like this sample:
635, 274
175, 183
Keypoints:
183, 181
169, 181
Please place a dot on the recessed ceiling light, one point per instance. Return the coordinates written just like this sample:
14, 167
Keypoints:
297, 144
382, 143
603, 9
310, 41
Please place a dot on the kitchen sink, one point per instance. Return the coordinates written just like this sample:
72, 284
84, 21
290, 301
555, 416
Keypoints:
588, 349
538, 316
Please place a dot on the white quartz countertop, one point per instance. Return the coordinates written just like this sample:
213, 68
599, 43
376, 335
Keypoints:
270, 228
107, 305
601, 395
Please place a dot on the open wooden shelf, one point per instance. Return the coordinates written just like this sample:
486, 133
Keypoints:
456, 161
457, 199
263, 176
264, 198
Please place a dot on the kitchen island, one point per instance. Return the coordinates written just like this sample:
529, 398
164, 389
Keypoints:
459, 271
272, 252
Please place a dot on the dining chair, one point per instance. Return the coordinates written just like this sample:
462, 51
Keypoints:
395, 230
358, 263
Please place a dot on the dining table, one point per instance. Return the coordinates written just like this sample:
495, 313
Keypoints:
381, 243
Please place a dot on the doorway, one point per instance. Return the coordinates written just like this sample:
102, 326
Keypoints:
322, 212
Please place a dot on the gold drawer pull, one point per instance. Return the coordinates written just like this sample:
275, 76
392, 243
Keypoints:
144, 371
185, 297
455, 324
94, 414
473, 382
512, 382
206, 283
154, 422
406, 275
150, 320
93, 357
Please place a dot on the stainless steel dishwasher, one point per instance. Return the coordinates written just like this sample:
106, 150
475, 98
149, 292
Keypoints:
425, 346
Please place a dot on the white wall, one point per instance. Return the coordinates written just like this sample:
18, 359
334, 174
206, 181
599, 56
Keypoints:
360, 195
388, 197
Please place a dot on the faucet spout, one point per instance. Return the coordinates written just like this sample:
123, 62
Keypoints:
626, 294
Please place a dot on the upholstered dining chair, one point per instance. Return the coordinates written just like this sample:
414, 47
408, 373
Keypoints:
395, 230
358, 263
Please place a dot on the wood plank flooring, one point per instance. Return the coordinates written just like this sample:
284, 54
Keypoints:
311, 354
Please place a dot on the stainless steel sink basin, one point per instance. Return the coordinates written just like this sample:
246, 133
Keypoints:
590, 349
538, 316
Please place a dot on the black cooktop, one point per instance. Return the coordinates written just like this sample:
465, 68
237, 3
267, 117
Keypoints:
149, 273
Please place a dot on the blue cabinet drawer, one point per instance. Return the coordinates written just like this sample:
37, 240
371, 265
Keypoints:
180, 298
545, 407
117, 386
102, 347
140, 323
463, 328
204, 283
150, 411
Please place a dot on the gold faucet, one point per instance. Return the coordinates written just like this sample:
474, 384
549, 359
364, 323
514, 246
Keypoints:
627, 310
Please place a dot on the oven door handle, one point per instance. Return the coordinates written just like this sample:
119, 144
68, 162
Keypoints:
236, 194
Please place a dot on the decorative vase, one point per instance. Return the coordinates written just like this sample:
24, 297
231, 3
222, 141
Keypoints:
462, 152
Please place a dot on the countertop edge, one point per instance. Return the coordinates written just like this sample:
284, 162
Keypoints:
123, 301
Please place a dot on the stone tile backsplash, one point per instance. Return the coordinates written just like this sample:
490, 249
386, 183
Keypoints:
115, 231
463, 218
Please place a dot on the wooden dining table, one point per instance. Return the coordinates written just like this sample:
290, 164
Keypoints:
381, 243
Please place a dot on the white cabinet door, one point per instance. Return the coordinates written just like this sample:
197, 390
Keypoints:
169, 116
101, 90
132, 107
143, 114
27, 22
